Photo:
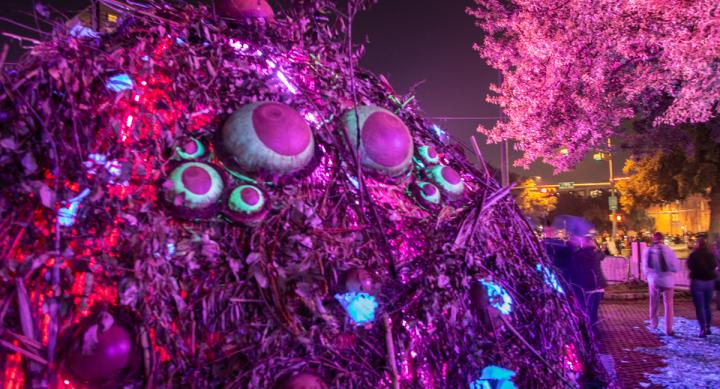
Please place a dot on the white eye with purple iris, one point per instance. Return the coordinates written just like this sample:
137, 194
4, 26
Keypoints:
247, 204
386, 146
447, 179
194, 186
191, 149
428, 155
426, 194
266, 138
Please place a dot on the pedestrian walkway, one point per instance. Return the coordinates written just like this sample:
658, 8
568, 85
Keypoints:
645, 358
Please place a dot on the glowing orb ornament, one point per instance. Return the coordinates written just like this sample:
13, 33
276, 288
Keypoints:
247, 204
191, 149
494, 377
194, 189
244, 9
99, 352
267, 138
119, 83
448, 180
360, 306
425, 194
386, 146
303, 381
428, 155
498, 297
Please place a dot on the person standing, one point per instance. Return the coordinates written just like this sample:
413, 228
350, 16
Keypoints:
660, 264
702, 263
585, 276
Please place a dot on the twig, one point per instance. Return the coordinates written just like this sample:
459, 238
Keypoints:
17, 24
537, 354
479, 155
3, 56
391, 351
24, 352
21, 38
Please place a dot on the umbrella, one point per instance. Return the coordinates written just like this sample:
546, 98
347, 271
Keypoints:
574, 225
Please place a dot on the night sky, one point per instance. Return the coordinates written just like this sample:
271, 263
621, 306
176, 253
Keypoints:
410, 42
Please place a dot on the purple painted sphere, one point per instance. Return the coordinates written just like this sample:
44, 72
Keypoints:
110, 355
250, 196
386, 139
197, 180
244, 9
450, 175
358, 280
429, 190
190, 147
304, 381
281, 129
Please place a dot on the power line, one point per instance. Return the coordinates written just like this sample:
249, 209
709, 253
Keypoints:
466, 118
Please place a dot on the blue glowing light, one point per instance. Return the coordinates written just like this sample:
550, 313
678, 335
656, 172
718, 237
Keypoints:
498, 297
82, 32
66, 215
550, 278
360, 306
353, 181
119, 83
439, 132
494, 377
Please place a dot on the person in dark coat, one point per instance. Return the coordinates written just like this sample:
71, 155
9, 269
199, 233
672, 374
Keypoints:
702, 264
579, 262
586, 278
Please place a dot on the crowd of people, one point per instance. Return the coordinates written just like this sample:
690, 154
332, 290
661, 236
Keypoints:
571, 244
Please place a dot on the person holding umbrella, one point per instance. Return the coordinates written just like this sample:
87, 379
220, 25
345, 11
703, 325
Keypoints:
581, 269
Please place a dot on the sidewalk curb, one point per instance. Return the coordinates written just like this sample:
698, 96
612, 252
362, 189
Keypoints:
639, 295
626, 296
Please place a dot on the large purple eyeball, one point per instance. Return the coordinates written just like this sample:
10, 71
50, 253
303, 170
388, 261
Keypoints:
242, 9
247, 204
386, 145
103, 360
267, 138
303, 381
448, 180
194, 186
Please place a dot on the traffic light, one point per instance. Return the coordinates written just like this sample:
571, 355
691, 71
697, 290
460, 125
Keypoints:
619, 218
601, 156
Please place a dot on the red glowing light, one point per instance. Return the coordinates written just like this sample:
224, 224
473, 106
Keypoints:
129, 120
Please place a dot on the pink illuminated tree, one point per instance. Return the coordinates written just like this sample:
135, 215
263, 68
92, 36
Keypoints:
574, 69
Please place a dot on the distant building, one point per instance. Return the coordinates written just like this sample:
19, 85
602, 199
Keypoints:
691, 215
99, 17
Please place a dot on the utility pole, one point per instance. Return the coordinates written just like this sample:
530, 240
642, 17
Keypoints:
504, 158
504, 164
95, 16
612, 190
